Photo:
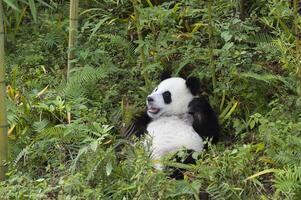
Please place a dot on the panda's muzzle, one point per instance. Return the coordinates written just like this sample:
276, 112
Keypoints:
153, 110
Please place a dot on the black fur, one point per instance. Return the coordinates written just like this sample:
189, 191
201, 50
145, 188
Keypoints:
194, 85
167, 97
205, 121
165, 75
138, 127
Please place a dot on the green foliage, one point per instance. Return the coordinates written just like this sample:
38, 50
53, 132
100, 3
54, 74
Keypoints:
16, 11
287, 182
65, 138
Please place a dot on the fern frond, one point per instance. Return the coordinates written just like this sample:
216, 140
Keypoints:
267, 78
260, 38
122, 42
22, 154
12, 114
40, 125
288, 182
51, 132
93, 170
80, 79
82, 151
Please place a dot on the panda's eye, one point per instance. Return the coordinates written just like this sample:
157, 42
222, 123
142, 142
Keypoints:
156, 89
167, 97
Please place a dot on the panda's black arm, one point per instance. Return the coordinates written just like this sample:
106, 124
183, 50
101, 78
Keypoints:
138, 126
205, 121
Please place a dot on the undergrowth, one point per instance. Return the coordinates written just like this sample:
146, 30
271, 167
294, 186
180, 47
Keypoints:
65, 139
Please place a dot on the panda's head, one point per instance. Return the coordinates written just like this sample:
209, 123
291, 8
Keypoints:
172, 96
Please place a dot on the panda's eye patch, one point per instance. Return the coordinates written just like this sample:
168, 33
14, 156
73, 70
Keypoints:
167, 97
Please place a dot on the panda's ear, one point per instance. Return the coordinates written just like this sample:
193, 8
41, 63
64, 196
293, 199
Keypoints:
194, 85
165, 75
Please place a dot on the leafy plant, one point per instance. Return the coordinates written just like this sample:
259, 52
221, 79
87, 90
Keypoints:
65, 137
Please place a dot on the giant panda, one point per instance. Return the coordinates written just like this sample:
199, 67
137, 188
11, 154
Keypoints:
176, 118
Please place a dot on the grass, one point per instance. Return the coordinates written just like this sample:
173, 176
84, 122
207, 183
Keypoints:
56, 155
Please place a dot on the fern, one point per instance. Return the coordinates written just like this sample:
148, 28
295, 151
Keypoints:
221, 191
12, 116
51, 132
288, 182
260, 38
80, 80
22, 154
121, 42
40, 125
267, 78
94, 169
266, 43
81, 152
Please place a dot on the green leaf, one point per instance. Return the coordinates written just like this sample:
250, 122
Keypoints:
109, 168
260, 147
94, 145
45, 4
40, 179
268, 78
11, 4
226, 36
252, 124
228, 45
266, 171
98, 25
33, 9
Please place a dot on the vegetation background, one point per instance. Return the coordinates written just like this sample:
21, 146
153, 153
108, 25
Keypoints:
63, 135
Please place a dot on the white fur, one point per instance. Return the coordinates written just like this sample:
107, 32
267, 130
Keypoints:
171, 129
171, 134
180, 95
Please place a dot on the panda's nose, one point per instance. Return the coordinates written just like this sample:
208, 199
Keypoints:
150, 99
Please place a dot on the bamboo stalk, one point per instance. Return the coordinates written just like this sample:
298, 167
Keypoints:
140, 38
73, 24
3, 117
297, 40
211, 45
242, 9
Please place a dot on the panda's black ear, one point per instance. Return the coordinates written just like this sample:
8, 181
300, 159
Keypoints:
165, 75
194, 85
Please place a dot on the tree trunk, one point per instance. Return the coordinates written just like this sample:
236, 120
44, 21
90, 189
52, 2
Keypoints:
297, 40
242, 11
3, 118
211, 45
73, 24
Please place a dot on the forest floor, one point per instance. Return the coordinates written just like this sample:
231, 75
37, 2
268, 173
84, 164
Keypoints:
63, 135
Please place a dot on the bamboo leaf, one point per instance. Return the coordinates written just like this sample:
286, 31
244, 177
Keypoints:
268, 78
45, 4
12, 5
266, 171
109, 168
228, 107
231, 111
98, 25
149, 3
282, 24
42, 91
33, 9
